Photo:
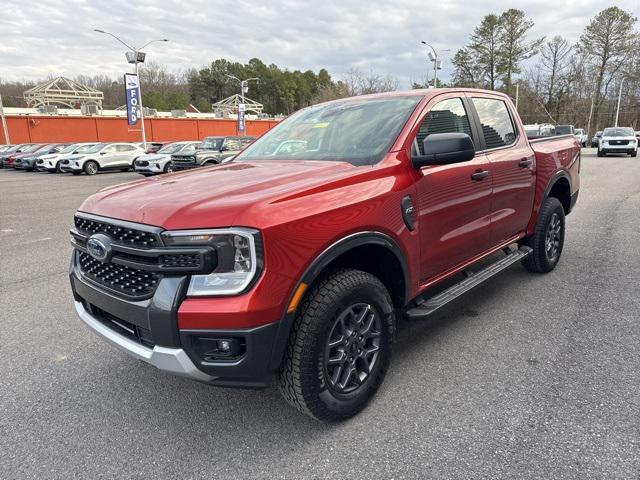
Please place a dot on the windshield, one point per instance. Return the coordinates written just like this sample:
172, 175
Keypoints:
359, 131
31, 148
171, 148
618, 132
69, 148
212, 143
91, 148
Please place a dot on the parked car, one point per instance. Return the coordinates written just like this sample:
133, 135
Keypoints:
299, 261
11, 150
5, 147
212, 151
564, 130
51, 162
618, 140
638, 135
595, 140
9, 160
160, 162
581, 136
16, 149
29, 161
536, 130
103, 156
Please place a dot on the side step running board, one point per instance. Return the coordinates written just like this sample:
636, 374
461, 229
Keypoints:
428, 306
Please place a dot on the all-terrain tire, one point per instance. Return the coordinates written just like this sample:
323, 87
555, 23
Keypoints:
303, 378
548, 239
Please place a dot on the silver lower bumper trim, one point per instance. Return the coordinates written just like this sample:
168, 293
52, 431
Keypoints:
173, 360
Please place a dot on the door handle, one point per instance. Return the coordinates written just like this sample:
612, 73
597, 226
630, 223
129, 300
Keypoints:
525, 163
479, 175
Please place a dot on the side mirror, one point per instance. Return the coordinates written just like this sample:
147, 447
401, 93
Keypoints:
445, 148
224, 148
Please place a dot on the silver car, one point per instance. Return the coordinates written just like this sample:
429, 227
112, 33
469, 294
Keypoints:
101, 157
51, 162
160, 162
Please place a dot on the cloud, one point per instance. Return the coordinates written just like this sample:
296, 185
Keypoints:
56, 37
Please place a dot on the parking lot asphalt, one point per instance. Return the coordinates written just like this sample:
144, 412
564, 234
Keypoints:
528, 376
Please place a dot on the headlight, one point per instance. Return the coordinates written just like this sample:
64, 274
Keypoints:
239, 254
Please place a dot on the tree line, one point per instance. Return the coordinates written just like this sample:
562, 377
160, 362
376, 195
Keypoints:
565, 83
557, 81
281, 91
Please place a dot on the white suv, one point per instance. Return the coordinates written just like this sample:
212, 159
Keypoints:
51, 162
103, 156
618, 140
160, 162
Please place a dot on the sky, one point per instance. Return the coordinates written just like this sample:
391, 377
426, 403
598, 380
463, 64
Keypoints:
39, 39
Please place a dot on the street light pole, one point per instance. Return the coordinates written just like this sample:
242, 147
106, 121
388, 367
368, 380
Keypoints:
137, 57
435, 62
244, 87
619, 96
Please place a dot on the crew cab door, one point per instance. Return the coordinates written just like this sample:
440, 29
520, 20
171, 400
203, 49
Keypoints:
453, 201
512, 164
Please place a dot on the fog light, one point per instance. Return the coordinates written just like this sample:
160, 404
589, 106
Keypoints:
224, 346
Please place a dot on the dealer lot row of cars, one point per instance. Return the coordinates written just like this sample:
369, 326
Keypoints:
92, 157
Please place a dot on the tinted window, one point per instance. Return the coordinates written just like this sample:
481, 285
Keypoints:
447, 116
125, 148
496, 122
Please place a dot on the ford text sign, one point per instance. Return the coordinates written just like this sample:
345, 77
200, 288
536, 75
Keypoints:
132, 95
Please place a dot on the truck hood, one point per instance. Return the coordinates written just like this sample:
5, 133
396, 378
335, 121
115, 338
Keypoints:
215, 196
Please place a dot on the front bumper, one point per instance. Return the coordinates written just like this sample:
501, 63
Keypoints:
150, 168
155, 338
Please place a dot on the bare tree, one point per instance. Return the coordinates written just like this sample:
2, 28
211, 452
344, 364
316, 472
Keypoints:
553, 59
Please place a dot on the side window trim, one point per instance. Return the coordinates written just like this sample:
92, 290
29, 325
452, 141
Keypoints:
479, 124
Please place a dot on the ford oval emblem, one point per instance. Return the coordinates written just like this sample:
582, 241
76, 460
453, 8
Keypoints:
99, 247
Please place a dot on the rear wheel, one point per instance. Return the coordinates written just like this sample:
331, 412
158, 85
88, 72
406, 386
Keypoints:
548, 240
91, 167
340, 346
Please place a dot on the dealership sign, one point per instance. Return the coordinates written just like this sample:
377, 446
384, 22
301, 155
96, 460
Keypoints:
241, 110
132, 95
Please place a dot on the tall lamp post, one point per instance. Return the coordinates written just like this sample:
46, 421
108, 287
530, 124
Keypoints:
244, 88
135, 56
619, 96
244, 84
434, 58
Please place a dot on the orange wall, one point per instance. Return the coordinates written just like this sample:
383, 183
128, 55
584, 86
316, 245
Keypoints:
45, 129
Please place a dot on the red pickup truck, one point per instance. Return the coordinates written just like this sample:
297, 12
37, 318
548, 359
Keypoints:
299, 257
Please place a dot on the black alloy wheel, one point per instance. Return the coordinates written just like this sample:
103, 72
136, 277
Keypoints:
352, 348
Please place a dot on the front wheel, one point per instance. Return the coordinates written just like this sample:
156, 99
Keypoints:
600, 153
634, 154
91, 167
548, 239
340, 346
168, 168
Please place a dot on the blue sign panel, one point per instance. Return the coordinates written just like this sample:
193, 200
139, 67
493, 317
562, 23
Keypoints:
241, 110
132, 95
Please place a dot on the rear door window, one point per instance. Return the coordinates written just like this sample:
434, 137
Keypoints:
496, 122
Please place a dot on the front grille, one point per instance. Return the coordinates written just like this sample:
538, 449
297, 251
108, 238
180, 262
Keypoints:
142, 163
65, 162
122, 235
619, 142
40, 162
139, 334
182, 260
128, 281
